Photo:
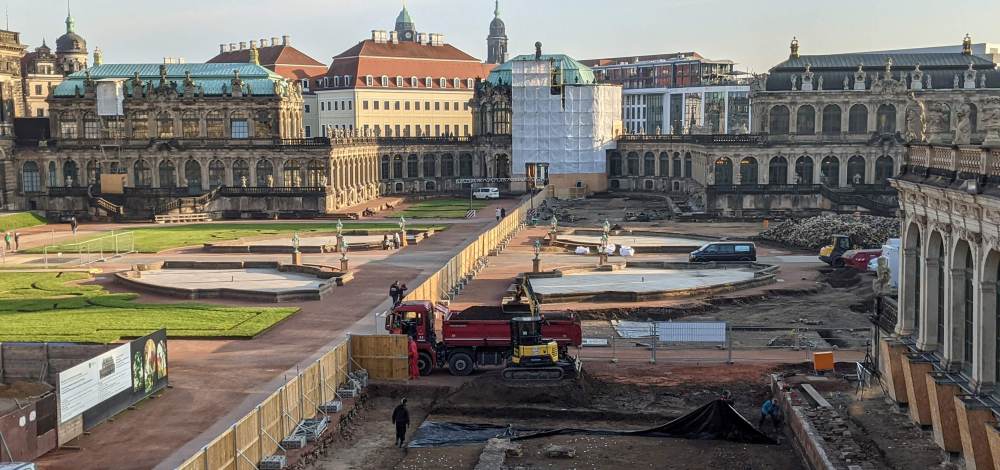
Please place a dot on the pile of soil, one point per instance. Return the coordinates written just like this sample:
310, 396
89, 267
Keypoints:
23, 390
842, 278
491, 389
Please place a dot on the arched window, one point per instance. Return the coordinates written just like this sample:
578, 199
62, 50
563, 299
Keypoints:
724, 171
687, 164
856, 170
386, 174
369, 81
241, 170
140, 125
216, 174
214, 125
399, 81
412, 166
969, 310
164, 125
429, 186
71, 170
885, 119
428, 82
397, 166
91, 126
265, 173
31, 179
239, 128
67, 125
616, 164
447, 165
262, 125
190, 125
664, 164
93, 172
883, 169
192, 174
429, 164
385, 80
456, 83
142, 174
443, 82
414, 82
53, 177
777, 171
857, 120
831, 119
804, 170
632, 168
168, 178
829, 170
336, 81
676, 172
292, 173
649, 164
316, 173
465, 165
779, 120
805, 122
748, 170
469, 83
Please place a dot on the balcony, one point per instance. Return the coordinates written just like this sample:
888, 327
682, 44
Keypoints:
405, 140
952, 161
718, 139
281, 191
130, 143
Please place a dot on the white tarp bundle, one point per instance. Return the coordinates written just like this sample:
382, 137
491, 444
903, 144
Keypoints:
110, 95
582, 250
673, 332
626, 251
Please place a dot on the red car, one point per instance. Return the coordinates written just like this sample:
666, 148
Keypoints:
858, 259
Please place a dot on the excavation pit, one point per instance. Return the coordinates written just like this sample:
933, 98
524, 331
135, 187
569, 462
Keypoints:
252, 281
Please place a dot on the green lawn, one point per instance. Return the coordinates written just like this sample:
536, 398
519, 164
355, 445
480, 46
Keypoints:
440, 208
21, 220
40, 307
159, 238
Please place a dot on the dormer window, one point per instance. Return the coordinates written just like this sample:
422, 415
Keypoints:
399, 82
443, 82
457, 83
336, 81
414, 82
305, 84
385, 81
470, 83
428, 82
347, 80
369, 81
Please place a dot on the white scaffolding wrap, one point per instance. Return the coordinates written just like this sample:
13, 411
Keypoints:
571, 131
110, 95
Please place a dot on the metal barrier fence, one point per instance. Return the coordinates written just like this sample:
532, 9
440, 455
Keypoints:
94, 250
713, 341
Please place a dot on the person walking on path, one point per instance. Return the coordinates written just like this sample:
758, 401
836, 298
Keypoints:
6, 239
394, 293
17, 241
503, 212
772, 409
401, 418
498, 214
73, 224
395, 240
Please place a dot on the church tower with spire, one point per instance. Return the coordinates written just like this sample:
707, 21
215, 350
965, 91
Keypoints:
405, 27
71, 48
496, 42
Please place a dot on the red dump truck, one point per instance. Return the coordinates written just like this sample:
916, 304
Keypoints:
477, 336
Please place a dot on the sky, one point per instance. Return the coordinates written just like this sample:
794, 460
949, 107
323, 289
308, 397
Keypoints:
754, 34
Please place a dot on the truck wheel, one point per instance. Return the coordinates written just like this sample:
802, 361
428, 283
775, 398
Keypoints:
837, 263
460, 364
424, 364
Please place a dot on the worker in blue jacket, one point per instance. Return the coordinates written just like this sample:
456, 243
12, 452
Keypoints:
772, 409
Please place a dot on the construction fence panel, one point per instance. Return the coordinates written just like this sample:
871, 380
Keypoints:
196, 462
221, 453
328, 367
292, 400
269, 414
248, 441
311, 390
383, 356
343, 363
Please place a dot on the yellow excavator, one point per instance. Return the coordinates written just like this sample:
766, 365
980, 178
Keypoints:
833, 253
534, 357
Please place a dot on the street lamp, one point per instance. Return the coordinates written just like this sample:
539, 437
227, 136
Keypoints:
607, 226
538, 247
402, 224
554, 223
295, 243
343, 255
536, 264
340, 229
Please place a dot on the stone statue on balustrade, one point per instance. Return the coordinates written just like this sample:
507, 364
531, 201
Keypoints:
883, 276
270, 181
243, 181
936, 122
989, 119
963, 125
915, 122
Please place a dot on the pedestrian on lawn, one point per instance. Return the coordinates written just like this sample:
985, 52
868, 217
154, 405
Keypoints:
498, 214
772, 409
17, 241
6, 239
401, 418
73, 224
394, 292
395, 240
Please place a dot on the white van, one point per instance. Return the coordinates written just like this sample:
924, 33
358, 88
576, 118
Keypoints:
486, 193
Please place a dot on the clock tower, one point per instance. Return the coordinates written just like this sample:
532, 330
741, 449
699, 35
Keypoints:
496, 42
404, 26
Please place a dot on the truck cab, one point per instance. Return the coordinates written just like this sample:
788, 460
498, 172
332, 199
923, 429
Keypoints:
833, 253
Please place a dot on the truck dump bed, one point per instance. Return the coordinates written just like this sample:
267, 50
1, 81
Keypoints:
481, 326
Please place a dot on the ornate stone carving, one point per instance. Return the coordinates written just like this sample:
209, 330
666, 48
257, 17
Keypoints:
970, 76
860, 78
995, 243
916, 78
941, 227
901, 214
989, 119
807, 79
915, 122
963, 125
921, 220
936, 120
974, 238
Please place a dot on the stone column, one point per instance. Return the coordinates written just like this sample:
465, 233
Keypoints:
907, 299
252, 179
205, 183
843, 177
927, 338
817, 173
985, 327
955, 325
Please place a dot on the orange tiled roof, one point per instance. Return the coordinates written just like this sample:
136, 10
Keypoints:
283, 60
407, 60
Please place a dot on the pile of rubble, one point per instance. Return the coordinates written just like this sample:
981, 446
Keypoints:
866, 230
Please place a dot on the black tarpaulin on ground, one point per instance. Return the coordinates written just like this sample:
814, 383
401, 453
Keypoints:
716, 420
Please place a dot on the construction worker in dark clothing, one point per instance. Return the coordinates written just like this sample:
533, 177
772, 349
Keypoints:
401, 418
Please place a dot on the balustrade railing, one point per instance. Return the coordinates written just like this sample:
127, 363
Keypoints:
975, 160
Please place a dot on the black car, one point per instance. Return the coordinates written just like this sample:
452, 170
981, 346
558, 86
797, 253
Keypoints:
725, 251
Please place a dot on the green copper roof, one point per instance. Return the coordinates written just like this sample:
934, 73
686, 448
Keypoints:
573, 72
211, 77
404, 16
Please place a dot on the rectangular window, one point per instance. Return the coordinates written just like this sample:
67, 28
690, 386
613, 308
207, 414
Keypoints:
416, 105
388, 131
427, 105
322, 106
40, 112
427, 129
406, 105
335, 107
397, 130
386, 107
342, 106
308, 131
455, 129
239, 128
466, 129
454, 106
91, 129
465, 107
307, 109
67, 129
38, 89
350, 106
377, 104
364, 105
406, 130
437, 106
446, 106
396, 105
366, 128
437, 130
